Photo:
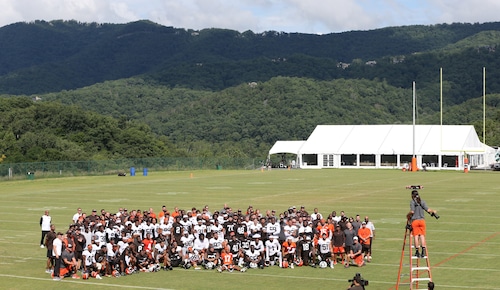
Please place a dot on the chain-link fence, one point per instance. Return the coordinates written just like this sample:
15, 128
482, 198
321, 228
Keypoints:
121, 166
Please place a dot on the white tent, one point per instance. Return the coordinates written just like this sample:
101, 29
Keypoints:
286, 147
392, 146
291, 147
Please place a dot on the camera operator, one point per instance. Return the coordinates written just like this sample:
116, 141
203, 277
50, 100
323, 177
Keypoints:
416, 215
357, 283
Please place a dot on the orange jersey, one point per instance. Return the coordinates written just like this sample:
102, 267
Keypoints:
289, 247
227, 258
148, 244
364, 235
325, 229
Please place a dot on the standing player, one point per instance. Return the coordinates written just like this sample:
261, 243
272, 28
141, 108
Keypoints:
349, 233
338, 244
364, 234
49, 239
57, 252
273, 228
371, 226
177, 230
45, 222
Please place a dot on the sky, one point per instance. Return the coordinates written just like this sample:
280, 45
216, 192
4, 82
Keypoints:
304, 16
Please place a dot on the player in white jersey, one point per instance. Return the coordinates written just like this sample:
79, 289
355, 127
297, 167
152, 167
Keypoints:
192, 258
258, 244
273, 251
216, 227
137, 229
325, 249
100, 236
113, 232
200, 228
88, 259
45, 222
290, 229
187, 241
186, 223
217, 241
201, 244
161, 254
253, 258
77, 215
273, 228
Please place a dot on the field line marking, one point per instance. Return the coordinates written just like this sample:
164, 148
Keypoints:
467, 249
457, 254
83, 282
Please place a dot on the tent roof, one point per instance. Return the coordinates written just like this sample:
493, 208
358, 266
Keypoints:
286, 147
392, 139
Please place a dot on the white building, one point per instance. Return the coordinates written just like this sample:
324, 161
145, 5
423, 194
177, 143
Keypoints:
389, 146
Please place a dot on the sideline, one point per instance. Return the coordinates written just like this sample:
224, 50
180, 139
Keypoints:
82, 282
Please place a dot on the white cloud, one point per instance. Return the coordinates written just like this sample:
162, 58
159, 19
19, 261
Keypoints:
312, 16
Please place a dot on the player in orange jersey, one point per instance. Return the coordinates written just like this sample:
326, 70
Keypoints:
288, 251
227, 262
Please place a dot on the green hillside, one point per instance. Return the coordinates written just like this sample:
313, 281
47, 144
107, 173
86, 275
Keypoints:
218, 92
244, 121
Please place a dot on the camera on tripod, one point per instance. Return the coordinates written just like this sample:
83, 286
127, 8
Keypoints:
358, 279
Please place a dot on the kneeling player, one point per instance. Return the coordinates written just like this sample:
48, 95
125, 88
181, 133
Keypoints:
161, 254
273, 251
211, 260
325, 250
305, 250
174, 256
288, 252
356, 253
253, 258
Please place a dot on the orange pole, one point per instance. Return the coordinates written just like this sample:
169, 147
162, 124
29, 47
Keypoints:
414, 164
466, 165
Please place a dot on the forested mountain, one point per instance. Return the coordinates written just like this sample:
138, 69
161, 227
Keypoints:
42, 57
217, 92
244, 121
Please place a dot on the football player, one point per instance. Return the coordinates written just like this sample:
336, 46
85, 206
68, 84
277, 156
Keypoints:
325, 249
288, 252
228, 263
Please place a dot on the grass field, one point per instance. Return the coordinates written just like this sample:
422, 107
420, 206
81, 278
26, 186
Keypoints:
463, 244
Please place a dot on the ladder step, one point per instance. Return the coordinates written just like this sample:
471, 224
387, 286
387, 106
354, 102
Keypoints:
414, 258
420, 279
420, 268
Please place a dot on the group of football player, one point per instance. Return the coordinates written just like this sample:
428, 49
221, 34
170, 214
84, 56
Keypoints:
123, 243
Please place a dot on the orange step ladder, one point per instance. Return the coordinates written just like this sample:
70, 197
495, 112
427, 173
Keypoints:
418, 269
